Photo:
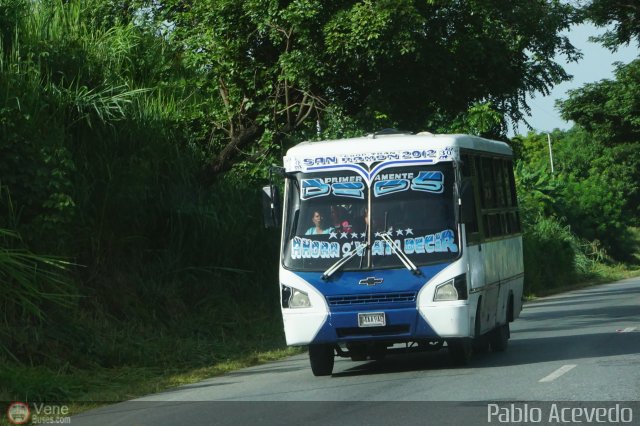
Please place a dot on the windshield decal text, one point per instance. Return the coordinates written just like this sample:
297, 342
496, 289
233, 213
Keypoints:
349, 186
431, 181
304, 248
374, 157
440, 242
313, 188
385, 187
318, 162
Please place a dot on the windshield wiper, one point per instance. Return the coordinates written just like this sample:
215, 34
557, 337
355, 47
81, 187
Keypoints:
341, 262
401, 255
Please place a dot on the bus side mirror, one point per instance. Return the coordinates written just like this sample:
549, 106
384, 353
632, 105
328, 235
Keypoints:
271, 206
468, 204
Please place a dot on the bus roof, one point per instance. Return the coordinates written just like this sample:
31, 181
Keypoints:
374, 148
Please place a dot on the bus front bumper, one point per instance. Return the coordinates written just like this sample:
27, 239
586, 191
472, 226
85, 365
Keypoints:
437, 321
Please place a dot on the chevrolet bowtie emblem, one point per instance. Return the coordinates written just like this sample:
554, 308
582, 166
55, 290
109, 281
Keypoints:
371, 281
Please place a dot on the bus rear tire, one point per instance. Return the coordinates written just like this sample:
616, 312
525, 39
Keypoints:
500, 338
321, 358
460, 351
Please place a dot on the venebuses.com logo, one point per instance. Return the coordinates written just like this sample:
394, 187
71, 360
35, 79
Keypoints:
18, 413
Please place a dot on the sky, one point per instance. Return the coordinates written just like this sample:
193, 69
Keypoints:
596, 64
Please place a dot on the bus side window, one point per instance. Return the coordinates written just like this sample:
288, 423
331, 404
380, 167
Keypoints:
469, 174
488, 196
498, 174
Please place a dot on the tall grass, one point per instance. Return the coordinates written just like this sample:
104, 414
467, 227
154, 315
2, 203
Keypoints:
97, 152
28, 283
27, 279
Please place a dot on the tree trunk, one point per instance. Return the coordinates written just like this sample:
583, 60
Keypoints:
224, 161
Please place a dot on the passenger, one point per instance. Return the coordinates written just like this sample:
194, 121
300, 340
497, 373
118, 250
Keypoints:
318, 224
340, 218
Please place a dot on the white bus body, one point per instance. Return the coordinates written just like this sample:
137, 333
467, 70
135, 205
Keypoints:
428, 232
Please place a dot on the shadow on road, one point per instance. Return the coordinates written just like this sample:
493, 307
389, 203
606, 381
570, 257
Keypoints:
520, 352
577, 325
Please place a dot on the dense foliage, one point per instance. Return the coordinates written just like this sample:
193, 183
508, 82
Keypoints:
274, 72
608, 109
133, 135
98, 165
594, 196
586, 212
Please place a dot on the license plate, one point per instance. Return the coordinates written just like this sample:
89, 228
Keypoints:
372, 319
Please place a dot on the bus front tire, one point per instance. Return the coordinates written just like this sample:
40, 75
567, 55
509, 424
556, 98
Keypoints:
321, 358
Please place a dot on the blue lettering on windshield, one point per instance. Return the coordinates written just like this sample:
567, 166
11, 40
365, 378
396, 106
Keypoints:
384, 187
440, 242
304, 248
432, 182
312, 188
349, 189
428, 182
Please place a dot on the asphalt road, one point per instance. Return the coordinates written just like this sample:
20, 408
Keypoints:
579, 349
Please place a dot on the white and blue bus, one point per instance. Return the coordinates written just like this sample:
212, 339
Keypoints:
399, 242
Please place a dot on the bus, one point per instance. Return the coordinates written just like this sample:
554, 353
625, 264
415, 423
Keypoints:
398, 242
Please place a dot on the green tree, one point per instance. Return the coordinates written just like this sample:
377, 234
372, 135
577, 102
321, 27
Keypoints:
272, 70
624, 15
594, 189
608, 109
608, 112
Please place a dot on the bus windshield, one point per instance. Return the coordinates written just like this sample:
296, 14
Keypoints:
330, 214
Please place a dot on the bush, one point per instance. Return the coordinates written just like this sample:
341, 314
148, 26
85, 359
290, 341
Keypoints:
549, 255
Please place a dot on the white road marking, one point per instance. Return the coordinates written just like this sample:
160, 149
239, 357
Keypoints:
559, 372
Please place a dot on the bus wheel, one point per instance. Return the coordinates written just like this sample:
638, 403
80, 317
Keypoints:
460, 350
321, 358
500, 338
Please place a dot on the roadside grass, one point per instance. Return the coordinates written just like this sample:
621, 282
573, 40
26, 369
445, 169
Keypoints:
602, 274
85, 389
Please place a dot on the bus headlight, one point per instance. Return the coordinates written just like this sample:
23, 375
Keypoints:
446, 291
454, 289
294, 298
